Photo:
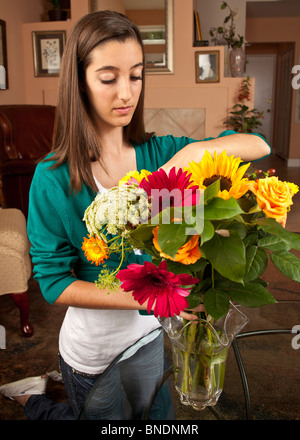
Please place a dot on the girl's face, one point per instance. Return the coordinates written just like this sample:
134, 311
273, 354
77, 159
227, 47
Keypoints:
114, 82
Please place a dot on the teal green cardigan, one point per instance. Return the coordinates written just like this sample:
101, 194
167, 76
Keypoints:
55, 225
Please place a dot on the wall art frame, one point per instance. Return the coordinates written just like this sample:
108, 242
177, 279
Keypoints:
3, 57
48, 47
207, 66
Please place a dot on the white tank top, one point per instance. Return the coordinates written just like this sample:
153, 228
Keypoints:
90, 340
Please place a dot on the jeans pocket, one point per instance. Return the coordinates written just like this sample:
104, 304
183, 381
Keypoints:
77, 386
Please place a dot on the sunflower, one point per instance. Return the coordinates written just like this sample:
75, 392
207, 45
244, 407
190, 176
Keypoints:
95, 250
227, 169
134, 177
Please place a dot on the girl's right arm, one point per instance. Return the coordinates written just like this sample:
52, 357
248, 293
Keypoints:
87, 295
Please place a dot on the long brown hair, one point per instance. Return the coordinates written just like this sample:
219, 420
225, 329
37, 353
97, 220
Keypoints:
75, 140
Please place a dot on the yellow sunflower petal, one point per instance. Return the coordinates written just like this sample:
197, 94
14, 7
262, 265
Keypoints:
136, 175
227, 168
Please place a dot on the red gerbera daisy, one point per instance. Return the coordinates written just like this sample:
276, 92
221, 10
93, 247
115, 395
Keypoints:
157, 285
174, 189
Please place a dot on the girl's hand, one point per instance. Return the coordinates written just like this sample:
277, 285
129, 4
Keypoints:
191, 316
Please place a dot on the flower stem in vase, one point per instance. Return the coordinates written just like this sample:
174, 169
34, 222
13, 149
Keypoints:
199, 374
199, 361
191, 331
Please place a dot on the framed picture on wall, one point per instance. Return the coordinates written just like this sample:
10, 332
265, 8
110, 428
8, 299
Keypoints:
48, 48
3, 57
207, 64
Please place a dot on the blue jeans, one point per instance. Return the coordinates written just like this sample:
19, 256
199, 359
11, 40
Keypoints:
40, 407
123, 391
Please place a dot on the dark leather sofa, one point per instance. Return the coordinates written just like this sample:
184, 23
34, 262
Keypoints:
25, 137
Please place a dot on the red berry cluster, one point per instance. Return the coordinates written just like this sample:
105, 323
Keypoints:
244, 94
260, 174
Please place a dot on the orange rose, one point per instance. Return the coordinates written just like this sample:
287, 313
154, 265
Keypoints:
273, 196
189, 253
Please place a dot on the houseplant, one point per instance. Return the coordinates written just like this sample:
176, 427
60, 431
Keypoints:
226, 34
210, 230
56, 13
242, 119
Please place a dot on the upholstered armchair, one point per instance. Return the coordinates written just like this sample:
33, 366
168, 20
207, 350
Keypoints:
25, 137
15, 266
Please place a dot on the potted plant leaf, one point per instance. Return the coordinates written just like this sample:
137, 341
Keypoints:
243, 119
226, 34
57, 13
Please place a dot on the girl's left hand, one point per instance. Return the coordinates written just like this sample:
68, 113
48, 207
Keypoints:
191, 316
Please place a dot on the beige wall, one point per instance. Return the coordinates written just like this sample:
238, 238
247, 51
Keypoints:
178, 90
15, 13
271, 30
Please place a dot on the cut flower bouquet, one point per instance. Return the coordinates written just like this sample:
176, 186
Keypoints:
210, 230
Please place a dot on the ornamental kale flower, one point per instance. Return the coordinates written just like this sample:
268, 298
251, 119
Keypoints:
158, 286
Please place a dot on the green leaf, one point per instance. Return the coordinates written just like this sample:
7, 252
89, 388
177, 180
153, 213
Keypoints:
216, 302
204, 285
226, 255
240, 228
273, 243
171, 237
198, 266
193, 218
191, 269
208, 232
251, 239
261, 281
142, 232
251, 295
220, 209
271, 226
256, 263
288, 264
211, 191
193, 299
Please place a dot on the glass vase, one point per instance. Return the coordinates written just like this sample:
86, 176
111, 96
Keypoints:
237, 62
199, 355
